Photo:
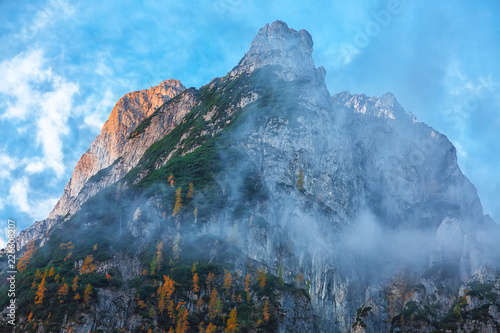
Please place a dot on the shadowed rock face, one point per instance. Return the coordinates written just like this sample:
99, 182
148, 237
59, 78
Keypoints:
383, 198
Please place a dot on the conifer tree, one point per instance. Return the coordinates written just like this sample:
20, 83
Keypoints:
232, 323
40, 293
178, 202
22, 264
214, 304
265, 312
87, 294
63, 292
74, 287
228, 282
190, 191
211, 328
300, 181
88, 266
210, 281
196, 283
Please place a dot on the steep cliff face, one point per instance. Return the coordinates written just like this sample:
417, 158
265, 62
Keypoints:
112, 155
358, 213
127, 114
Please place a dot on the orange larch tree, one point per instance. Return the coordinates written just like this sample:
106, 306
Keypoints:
22, 264
87, 294
232, 323
213, 308
196, 283
300, 181
165, 292
265, 312
40, 293
178, 202
63, 292
228, 282
74, 287
182, 322
211, 328
88, 266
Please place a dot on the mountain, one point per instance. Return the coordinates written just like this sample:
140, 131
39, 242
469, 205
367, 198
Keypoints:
261, 202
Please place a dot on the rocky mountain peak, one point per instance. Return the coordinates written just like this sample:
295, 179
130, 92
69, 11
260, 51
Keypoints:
385, 106
127, 114
277, 44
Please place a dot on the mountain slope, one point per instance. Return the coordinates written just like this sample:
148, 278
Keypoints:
356, 215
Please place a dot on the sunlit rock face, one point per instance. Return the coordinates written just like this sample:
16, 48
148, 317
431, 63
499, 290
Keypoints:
128, 113
112, 149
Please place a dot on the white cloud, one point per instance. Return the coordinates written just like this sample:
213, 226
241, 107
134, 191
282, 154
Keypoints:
19, 198
96, 111
34, 166
18, 194
3, 237
7, 165
36, 95
103, 70
19, 75
52, 124
45, 16
460, 150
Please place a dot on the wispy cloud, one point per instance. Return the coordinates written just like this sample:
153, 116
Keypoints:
35, 95
19, 197
46, 15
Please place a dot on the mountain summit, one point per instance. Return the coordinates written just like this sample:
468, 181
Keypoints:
262, 203
276, 44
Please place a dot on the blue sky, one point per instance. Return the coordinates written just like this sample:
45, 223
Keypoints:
64, 64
